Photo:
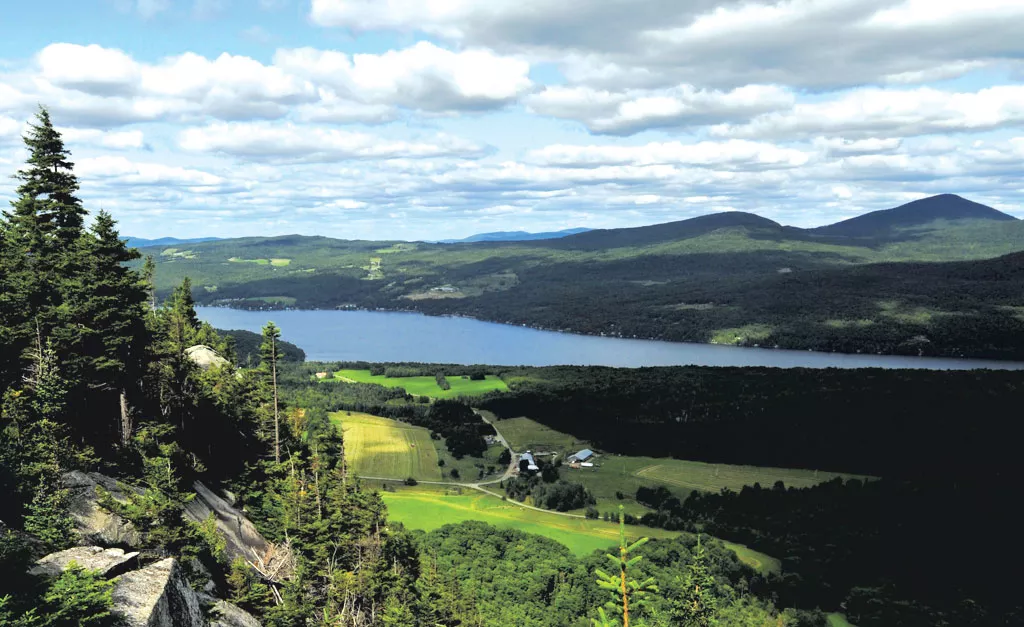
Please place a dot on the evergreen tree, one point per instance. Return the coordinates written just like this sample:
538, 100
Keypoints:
77, 598
112, 309
268, 361
629, 595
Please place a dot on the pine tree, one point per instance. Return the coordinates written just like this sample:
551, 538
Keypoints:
78, 598
268, 361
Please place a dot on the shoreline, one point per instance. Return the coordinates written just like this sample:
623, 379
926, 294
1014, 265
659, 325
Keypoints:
965, 361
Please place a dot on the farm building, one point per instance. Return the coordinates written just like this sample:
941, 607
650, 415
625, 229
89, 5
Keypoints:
527, 463
321, 375
581, 456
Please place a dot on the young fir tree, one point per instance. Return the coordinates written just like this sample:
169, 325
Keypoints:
268, 361
629, 595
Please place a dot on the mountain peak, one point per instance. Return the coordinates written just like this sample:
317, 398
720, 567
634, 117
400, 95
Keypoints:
915, 213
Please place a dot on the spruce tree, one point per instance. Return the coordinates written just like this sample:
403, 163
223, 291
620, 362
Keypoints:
697, 605
268, 361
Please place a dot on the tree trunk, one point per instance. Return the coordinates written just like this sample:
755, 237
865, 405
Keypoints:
277, 418
126, 419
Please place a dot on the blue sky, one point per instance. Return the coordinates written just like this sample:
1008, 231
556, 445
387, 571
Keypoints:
407, 119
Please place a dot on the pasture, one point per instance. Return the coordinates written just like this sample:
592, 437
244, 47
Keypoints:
613, 474
524, 434
430, 507
426, 386
379, 447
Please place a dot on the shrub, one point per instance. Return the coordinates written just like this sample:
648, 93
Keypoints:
410, 481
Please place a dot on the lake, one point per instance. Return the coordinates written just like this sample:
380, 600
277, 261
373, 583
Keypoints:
329, 335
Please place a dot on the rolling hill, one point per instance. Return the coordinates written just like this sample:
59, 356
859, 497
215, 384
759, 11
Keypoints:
513, 236
934, 277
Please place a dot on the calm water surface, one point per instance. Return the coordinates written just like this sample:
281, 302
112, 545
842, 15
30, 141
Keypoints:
330, 335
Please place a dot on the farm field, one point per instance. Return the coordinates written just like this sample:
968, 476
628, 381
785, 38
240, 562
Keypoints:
525, 434
624, 474
379, 447
426, 386
430, 507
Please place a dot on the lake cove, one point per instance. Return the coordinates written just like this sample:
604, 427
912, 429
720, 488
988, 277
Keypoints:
377, 336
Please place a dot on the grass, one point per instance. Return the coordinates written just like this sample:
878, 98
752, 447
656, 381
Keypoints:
430, 507
379, 447
426, 386
524, 434
259, 262
835, 619
280, 261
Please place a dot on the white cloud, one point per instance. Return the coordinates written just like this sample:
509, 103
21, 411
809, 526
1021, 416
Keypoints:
117, 140
305, 144
631, 111
874, 112
92, 69
739, 153
424, 76
121, 171
717, 43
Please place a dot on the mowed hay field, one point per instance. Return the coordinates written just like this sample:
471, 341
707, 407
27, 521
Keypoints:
524, 434
379, 447
430, 507
426, 386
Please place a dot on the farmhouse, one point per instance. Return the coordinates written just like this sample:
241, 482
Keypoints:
527, 463
321, 375
581, 456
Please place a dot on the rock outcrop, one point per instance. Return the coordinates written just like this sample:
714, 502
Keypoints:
230, 615
241, 536
96, 525
157, 596
204, 356
109, 562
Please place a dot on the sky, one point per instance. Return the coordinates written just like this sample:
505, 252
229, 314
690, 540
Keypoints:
431, 119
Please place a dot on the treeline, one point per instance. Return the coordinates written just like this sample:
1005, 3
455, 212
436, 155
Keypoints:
892, 553
474, 574
549, 492
892, 423
415, 369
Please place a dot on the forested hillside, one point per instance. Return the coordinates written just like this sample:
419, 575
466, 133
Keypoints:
939, 276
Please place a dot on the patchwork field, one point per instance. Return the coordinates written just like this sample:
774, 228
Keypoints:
426, 386
379, 447
430, 507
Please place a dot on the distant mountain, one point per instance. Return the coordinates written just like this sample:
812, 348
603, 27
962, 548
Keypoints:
513, 236
670, 231
916, 213
140, 242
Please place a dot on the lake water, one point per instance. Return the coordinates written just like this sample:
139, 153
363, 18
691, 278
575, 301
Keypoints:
329, 335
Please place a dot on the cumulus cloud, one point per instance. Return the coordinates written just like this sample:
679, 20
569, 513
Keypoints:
288, 142
117, 140
716, 43
423, 76
707, 154
880, 112
122, 171
630, 111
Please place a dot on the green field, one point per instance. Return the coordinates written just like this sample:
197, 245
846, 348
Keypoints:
524, 434
379, 447
429, 507
617, 473
426, 386
835, 619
